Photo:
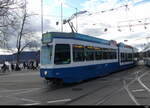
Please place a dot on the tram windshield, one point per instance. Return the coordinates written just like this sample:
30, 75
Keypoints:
62, 54
46, 55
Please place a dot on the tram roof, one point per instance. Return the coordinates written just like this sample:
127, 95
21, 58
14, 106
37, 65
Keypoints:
78, 37
84, 37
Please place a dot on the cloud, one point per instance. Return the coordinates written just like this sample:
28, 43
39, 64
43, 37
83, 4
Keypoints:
95, 23
93, 32
118, 17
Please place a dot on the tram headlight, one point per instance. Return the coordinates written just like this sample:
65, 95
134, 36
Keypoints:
45, 72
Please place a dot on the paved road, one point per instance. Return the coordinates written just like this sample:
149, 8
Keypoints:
129, 87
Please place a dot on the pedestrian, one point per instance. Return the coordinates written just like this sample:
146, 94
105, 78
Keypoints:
32, 65
12, 66
4, 68
9, 66
37, 64
24, 65
17, 67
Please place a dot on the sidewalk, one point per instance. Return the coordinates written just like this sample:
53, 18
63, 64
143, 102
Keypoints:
21, 71
5, 73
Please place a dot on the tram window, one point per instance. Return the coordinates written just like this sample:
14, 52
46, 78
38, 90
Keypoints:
130, 57
46, 54
78, 53
126, 57
112, 55
122, 57
148, 53
98, 55
89, 53
105, 55
62, 54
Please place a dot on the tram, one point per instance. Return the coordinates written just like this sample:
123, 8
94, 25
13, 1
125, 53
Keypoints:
146, 57
74, 57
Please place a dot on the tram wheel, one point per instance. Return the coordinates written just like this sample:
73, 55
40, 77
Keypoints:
57, 82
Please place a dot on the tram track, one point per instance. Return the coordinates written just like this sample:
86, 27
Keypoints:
110, 94
125, 86
104, 82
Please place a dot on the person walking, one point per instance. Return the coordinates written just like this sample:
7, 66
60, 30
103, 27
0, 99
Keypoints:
12, 66
4, 68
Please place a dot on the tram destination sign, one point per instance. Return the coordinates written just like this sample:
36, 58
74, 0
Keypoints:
46, 38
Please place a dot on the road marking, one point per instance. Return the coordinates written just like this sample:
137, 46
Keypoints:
31, 104
136, 79
139, 80
108, 97
129, 93
27, 91
3, 91
138, 90
29, 100
62, 100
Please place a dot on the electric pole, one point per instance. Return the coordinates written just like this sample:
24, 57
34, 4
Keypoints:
61, 17
76, 21
42, 16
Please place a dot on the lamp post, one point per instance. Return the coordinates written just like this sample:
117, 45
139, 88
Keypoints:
42, 16
61, 17
76, 20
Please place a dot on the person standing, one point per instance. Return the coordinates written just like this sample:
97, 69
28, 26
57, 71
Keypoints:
24, 65
12, 66
4, 68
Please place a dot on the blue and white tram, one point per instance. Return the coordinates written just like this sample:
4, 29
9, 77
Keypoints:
146, 55
73, 57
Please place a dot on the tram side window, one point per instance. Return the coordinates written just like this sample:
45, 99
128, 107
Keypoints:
113, 54
105, 53
122, 57
148, 53
89, 53
98, 54
62, 54
126, 57
78, 53
130, 57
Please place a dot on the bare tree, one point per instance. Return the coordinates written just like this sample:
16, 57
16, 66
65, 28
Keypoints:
14, 21
24, 34
8, 16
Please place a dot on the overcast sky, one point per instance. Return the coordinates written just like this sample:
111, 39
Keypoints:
101, 14
93, 23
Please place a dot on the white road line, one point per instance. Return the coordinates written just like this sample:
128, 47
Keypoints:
135, 79
31, 104
138, 90
129, 93
27, 91
139, 80
62, 100
29, 100
3, 91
